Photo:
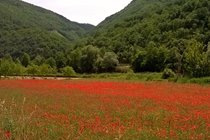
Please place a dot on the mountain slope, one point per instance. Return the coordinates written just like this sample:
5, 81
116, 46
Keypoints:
27, 27
157, 22
135, 8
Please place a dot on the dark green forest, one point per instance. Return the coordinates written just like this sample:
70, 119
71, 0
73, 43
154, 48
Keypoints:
34, 30
169, 36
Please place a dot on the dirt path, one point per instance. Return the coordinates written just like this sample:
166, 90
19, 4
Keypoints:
38, 78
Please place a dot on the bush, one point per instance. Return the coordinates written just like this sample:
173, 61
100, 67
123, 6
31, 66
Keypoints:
46, 69
8, 68
33, 69
168, 73
68, 71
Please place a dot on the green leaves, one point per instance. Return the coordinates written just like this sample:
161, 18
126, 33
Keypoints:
25, 60
9, 67
152, 59
196, 60
109, 62
68, 71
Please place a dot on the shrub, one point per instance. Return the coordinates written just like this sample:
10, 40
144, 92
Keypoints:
68, 71
168, 73
8, 68
33, 69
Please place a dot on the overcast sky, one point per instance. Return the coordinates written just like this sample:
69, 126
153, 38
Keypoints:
83, 11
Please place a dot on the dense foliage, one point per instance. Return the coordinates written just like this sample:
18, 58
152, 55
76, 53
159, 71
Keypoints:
156, 34
34, 30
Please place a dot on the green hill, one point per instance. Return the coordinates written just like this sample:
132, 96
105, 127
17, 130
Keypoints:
158, 22
28, 28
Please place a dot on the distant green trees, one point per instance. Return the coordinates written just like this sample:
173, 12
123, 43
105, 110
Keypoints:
9, 67
25, 60
90, 55
109, 62
90, 59
192, 59
51, 62
196, 60
186, 57
151, 59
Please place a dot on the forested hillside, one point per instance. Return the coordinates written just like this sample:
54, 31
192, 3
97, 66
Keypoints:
28, 28
155, 34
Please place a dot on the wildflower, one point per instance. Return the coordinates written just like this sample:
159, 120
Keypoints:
8, 134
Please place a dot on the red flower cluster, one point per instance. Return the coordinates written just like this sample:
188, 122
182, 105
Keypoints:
8, 134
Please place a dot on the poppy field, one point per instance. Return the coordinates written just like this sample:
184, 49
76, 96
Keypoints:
94, 109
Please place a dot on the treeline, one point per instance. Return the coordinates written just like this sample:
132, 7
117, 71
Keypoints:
88, 59
184, 58
189, 58
10, 67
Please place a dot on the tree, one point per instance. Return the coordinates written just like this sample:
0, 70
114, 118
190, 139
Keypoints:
51, 61
90, 54
155, 59
196, 62
60, 60
46, 69
19, 69
25, 60
152, 59
137, 63
38, 60
4, 67
75, 59
9, 67
109, 62
33, 69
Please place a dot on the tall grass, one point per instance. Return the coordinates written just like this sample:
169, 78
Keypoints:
15, 122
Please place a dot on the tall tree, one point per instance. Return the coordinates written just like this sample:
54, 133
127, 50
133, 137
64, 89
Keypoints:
25, 60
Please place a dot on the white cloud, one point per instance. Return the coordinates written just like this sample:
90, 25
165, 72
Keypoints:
83, 11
